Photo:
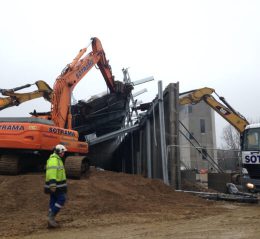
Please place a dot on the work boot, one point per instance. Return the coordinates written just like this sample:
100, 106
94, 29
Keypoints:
51, 221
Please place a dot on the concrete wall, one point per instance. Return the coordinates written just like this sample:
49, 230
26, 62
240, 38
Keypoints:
218, 181
189, 175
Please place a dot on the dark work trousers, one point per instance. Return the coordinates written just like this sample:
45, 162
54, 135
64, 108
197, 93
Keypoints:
57, 201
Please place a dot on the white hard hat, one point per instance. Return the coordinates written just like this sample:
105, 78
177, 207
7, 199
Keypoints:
59, 148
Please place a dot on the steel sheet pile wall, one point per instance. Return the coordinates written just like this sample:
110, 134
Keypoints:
141, 151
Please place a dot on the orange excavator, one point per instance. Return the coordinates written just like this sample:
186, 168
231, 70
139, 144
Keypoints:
26, 142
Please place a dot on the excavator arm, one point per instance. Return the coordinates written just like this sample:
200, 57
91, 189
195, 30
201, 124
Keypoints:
223, 109
72, 74
15, 99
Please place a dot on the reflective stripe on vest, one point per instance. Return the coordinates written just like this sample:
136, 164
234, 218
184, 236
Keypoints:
57, 184
55, 167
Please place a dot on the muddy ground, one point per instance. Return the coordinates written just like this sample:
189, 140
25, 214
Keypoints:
116, 205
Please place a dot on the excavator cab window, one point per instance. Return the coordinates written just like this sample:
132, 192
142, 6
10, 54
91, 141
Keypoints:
251, 140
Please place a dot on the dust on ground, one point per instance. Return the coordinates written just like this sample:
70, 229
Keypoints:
117, 205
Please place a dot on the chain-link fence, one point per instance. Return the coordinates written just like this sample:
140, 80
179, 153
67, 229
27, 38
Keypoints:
203, 160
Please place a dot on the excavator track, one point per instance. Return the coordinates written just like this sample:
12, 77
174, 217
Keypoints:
76, 166
9, 164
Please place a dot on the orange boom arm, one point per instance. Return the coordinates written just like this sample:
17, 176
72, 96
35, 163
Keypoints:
71, 75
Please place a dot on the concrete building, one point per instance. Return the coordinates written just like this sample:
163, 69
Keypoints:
197, 136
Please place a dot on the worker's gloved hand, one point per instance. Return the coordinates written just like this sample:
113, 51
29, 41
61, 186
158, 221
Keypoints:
53, 189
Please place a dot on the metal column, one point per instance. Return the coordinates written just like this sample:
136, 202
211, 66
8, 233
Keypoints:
162, 133
148, 148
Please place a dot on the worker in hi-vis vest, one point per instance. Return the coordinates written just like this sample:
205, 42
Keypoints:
55, 183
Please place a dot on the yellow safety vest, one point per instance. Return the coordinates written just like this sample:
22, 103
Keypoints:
55, 174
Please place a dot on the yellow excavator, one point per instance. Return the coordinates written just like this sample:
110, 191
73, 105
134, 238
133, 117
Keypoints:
14, 99
223, 109
249, 133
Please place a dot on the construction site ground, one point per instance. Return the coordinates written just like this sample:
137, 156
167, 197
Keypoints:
115, 205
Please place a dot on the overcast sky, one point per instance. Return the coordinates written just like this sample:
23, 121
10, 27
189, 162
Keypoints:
196, 43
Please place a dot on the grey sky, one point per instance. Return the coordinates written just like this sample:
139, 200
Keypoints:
197, 43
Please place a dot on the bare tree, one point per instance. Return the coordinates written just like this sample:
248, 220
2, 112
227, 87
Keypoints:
231, 138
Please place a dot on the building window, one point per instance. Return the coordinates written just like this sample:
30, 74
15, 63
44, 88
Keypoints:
190, 109
202, 126
204, 153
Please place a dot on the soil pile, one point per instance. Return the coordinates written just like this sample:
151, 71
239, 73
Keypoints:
24, 206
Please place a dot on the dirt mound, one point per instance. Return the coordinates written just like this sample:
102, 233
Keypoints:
24, 206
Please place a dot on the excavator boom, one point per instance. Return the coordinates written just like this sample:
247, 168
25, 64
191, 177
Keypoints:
15, 99
71, 75
223, 109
